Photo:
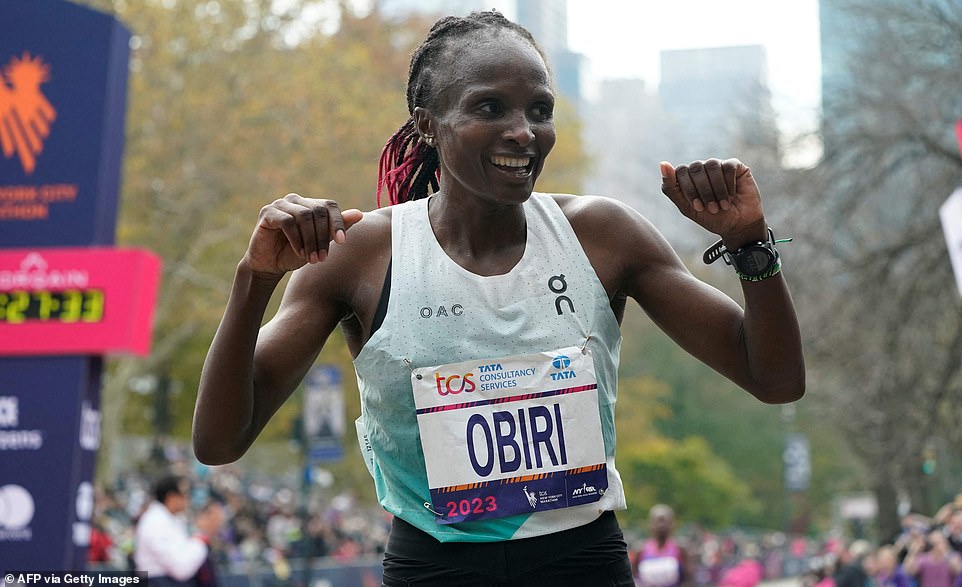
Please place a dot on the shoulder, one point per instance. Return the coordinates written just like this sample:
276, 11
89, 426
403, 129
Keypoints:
604, 218
613, 231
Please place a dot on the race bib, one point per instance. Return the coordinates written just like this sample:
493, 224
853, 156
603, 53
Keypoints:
511, 435
662, 571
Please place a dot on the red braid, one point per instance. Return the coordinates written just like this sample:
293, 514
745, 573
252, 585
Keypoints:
403, 160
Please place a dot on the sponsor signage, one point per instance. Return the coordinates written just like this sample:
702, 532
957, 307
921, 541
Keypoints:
950, 214
76, 301
63, 80
49, 437
63, 88
323, 414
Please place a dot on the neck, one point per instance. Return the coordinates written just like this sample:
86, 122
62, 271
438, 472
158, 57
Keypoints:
483, 237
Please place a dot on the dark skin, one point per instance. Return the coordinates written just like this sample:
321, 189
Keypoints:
492, 125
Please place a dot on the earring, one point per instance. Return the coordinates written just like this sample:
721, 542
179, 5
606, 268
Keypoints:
429, 140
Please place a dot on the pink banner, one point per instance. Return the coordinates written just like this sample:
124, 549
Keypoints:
76, 301
958, 134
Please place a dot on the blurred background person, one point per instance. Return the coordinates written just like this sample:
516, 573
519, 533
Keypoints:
163, 545
662, 561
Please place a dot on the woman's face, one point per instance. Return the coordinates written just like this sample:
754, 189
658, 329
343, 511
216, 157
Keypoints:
492, 118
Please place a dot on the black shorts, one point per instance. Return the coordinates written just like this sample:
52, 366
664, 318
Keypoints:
594, 554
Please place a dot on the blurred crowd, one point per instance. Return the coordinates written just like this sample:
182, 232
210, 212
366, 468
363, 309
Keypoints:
271, 524
926, 553
267, 522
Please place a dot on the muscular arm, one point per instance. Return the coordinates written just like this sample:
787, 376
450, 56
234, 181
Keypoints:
250, 371
758, 347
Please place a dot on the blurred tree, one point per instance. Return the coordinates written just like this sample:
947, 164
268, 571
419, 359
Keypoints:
685, 473
883, 319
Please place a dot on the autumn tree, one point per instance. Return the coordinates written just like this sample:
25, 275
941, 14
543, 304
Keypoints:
882, 316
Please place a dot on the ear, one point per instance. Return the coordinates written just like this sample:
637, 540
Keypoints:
423, 122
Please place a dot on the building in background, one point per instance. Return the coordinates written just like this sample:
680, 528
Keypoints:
546, 19
719, 102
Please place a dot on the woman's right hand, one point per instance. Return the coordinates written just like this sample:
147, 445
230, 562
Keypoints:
293, 231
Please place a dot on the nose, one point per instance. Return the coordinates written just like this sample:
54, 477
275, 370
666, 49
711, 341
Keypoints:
519, 130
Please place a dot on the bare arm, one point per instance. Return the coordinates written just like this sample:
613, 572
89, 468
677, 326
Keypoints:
249, 370
759, 346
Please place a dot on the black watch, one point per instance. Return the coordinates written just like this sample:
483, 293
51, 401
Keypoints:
753, 261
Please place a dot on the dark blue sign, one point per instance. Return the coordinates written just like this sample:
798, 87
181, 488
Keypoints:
323, 414
49, 436
63, 88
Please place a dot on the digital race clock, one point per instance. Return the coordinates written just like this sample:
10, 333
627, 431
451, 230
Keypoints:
71, 305
76, 301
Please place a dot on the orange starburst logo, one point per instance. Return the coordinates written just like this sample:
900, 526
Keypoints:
25, 113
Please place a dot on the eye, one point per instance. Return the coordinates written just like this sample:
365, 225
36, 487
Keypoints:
490, 107
543, 111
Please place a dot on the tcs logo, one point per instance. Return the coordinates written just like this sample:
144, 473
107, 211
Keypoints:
454, 384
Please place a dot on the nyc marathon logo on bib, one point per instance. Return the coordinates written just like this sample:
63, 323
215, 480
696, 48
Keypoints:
513, 435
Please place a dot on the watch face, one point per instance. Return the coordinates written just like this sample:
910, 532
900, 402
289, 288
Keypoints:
754, 260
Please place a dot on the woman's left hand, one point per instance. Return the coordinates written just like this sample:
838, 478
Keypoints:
720, 196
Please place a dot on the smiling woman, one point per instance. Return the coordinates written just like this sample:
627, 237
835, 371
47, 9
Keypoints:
484, 322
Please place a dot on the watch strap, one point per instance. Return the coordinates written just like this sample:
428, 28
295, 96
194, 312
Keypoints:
774, 270
714, 252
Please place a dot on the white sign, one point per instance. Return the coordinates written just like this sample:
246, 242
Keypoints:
951, 215
497, 434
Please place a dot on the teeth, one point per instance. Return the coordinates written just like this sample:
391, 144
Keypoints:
511, 161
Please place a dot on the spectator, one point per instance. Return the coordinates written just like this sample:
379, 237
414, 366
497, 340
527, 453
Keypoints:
953, 530
888, 572
850, 571
662, 562
932, 562
163, 547
747, 572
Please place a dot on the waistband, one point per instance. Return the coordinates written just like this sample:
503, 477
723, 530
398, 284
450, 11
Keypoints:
508, 556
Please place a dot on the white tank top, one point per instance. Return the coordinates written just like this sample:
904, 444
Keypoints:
440, 313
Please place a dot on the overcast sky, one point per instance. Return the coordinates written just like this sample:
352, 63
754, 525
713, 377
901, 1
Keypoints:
623, 39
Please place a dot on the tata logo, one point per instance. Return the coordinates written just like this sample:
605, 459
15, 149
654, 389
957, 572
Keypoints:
454, 384
25, 113
561, 364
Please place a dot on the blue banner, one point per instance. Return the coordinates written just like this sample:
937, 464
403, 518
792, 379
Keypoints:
323, 414
63, 92
63, 88
49, 436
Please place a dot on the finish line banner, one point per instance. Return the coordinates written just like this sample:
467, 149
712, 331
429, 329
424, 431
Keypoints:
493, 432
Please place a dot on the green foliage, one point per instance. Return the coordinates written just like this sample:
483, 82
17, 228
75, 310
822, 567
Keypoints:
699, 485
743, 433
685, 473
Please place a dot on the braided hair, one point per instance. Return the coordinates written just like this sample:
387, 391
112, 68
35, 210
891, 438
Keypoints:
408, 165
